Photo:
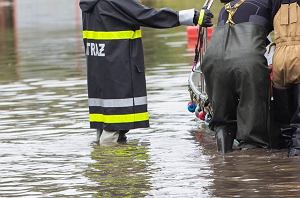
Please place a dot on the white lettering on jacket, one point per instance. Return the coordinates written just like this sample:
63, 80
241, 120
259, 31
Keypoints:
95, 49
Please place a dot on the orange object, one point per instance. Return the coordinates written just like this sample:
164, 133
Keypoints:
192, 35
192, 32
210, 32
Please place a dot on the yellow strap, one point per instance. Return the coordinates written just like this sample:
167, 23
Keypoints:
201, 17
232, 10
115, 35
126, 118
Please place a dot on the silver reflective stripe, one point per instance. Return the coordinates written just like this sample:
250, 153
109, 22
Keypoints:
140, 101
127, 102
186, 17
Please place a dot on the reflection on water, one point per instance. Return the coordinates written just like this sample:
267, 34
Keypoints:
250, 173
7, 43
45, 140
121, 170
41, 40
256, 173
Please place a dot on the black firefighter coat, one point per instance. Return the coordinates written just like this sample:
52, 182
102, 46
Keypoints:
115, 60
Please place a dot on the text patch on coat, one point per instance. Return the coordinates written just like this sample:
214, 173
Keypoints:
95, 49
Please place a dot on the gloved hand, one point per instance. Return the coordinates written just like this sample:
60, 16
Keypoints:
203, 18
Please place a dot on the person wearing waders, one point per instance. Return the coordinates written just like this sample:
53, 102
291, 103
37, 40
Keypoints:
115, 61
237, 74
286, 71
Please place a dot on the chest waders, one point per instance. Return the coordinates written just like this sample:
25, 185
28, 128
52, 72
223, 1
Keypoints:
286, 74
237, 79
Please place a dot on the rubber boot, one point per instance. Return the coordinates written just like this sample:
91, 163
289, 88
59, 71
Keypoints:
283, 113
286, 136
225, 137
99, 132
109, 138
294, 150
282, 106
122, 137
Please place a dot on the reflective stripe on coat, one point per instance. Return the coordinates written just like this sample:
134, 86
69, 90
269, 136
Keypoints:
115, 59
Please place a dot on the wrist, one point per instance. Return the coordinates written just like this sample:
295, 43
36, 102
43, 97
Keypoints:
186, 17
196, 17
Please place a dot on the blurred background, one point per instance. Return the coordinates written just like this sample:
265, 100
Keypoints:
38, 35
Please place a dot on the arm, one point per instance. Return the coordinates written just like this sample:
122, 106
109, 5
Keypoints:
149, 17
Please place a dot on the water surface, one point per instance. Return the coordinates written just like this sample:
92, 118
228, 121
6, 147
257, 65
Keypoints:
45, 140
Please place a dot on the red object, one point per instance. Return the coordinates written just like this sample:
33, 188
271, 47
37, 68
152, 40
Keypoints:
192, 35
210, 32
192, 32
201, 115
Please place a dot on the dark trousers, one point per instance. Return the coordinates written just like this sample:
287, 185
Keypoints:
238, 82
287, 114
239, 96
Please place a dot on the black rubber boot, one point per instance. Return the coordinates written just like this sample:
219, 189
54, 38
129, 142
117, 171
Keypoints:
225, 137
286, 136
294, 149
282, 105
122, 137
282, 113
294, 152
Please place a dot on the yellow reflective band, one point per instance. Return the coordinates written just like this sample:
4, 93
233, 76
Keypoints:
137, 117
201, 17
117, 35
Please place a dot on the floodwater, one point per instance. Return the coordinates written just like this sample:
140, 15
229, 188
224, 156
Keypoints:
45, 140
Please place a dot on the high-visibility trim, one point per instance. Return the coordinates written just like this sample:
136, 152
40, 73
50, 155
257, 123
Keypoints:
126, 102
201, 17
112, 35
126, 118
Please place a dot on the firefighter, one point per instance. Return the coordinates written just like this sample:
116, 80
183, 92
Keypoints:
286, 71
115, 61
237, 74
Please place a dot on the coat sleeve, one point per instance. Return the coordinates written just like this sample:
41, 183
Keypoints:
142, 15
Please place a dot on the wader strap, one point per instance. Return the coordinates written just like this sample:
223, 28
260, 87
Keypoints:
231, 11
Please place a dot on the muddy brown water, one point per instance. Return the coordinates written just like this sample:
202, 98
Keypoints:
45, 140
